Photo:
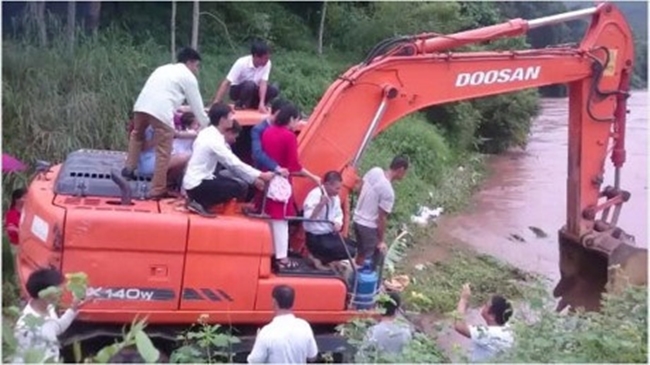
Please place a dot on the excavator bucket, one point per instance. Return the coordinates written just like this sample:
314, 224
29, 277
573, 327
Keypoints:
610, 263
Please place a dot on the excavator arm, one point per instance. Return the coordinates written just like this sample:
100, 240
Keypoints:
406, 74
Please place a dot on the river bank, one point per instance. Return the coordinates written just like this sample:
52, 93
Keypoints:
513, 218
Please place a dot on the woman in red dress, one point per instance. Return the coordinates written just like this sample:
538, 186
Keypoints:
279, 142
12, 217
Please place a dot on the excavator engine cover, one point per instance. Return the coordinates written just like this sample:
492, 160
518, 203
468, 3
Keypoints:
608, 261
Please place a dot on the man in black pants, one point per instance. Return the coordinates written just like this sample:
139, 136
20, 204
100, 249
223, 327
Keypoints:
210, 148
323, 238
248, 80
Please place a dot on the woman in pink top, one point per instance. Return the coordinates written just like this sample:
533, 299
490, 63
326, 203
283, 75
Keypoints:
279, 142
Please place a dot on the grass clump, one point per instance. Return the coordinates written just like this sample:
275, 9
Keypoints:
435, 285
616, 334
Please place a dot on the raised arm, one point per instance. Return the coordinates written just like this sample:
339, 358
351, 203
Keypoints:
263, 86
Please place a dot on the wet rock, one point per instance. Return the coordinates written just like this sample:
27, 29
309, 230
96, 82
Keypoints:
516, 237
538, 232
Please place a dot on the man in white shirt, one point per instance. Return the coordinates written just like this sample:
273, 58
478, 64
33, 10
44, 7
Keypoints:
165, 90
222, 172
375, 203
324, 240
209, 149
491, 340
248, 80
287, 339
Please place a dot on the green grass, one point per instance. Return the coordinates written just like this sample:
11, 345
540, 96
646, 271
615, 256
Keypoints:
436, 287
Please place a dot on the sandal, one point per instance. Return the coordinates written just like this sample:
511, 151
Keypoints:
289, 265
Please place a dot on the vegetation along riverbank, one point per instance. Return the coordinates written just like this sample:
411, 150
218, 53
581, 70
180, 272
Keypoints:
64, 90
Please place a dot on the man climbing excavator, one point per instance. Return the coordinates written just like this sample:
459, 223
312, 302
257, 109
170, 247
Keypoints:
154, 258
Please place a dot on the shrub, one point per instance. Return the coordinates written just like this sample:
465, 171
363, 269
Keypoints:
617, 334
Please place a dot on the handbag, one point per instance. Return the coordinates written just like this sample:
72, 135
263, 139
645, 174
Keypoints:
279, 189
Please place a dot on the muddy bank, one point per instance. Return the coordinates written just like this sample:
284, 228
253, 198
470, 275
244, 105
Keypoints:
527, 189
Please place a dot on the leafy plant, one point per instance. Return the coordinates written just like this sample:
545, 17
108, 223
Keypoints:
616, 334
77, 284
208, 344
135, 336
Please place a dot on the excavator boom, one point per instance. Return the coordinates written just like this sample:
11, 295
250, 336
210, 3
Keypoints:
407, 74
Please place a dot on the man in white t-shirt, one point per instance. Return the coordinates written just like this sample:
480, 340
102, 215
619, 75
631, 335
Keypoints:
491, 340
375, 203
163, 93
287, 339
323, 239
248, 80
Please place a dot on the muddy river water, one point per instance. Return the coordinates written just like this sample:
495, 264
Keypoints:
527, 188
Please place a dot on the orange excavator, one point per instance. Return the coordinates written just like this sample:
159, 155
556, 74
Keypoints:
155, 259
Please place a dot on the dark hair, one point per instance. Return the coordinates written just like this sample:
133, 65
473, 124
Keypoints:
187, 119
332, 176
217, 112
391, 306
259, 48
287, 112
236, 127
399, 162
15, 195
277, 104
42, 279
188, 54
131, 114
284, 296
501, 309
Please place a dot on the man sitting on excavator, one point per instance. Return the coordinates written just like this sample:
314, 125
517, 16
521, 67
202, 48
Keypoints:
202, 187
324, 240
222, 172
248, 79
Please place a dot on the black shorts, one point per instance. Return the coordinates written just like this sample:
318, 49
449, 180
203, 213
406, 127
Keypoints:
367, 239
